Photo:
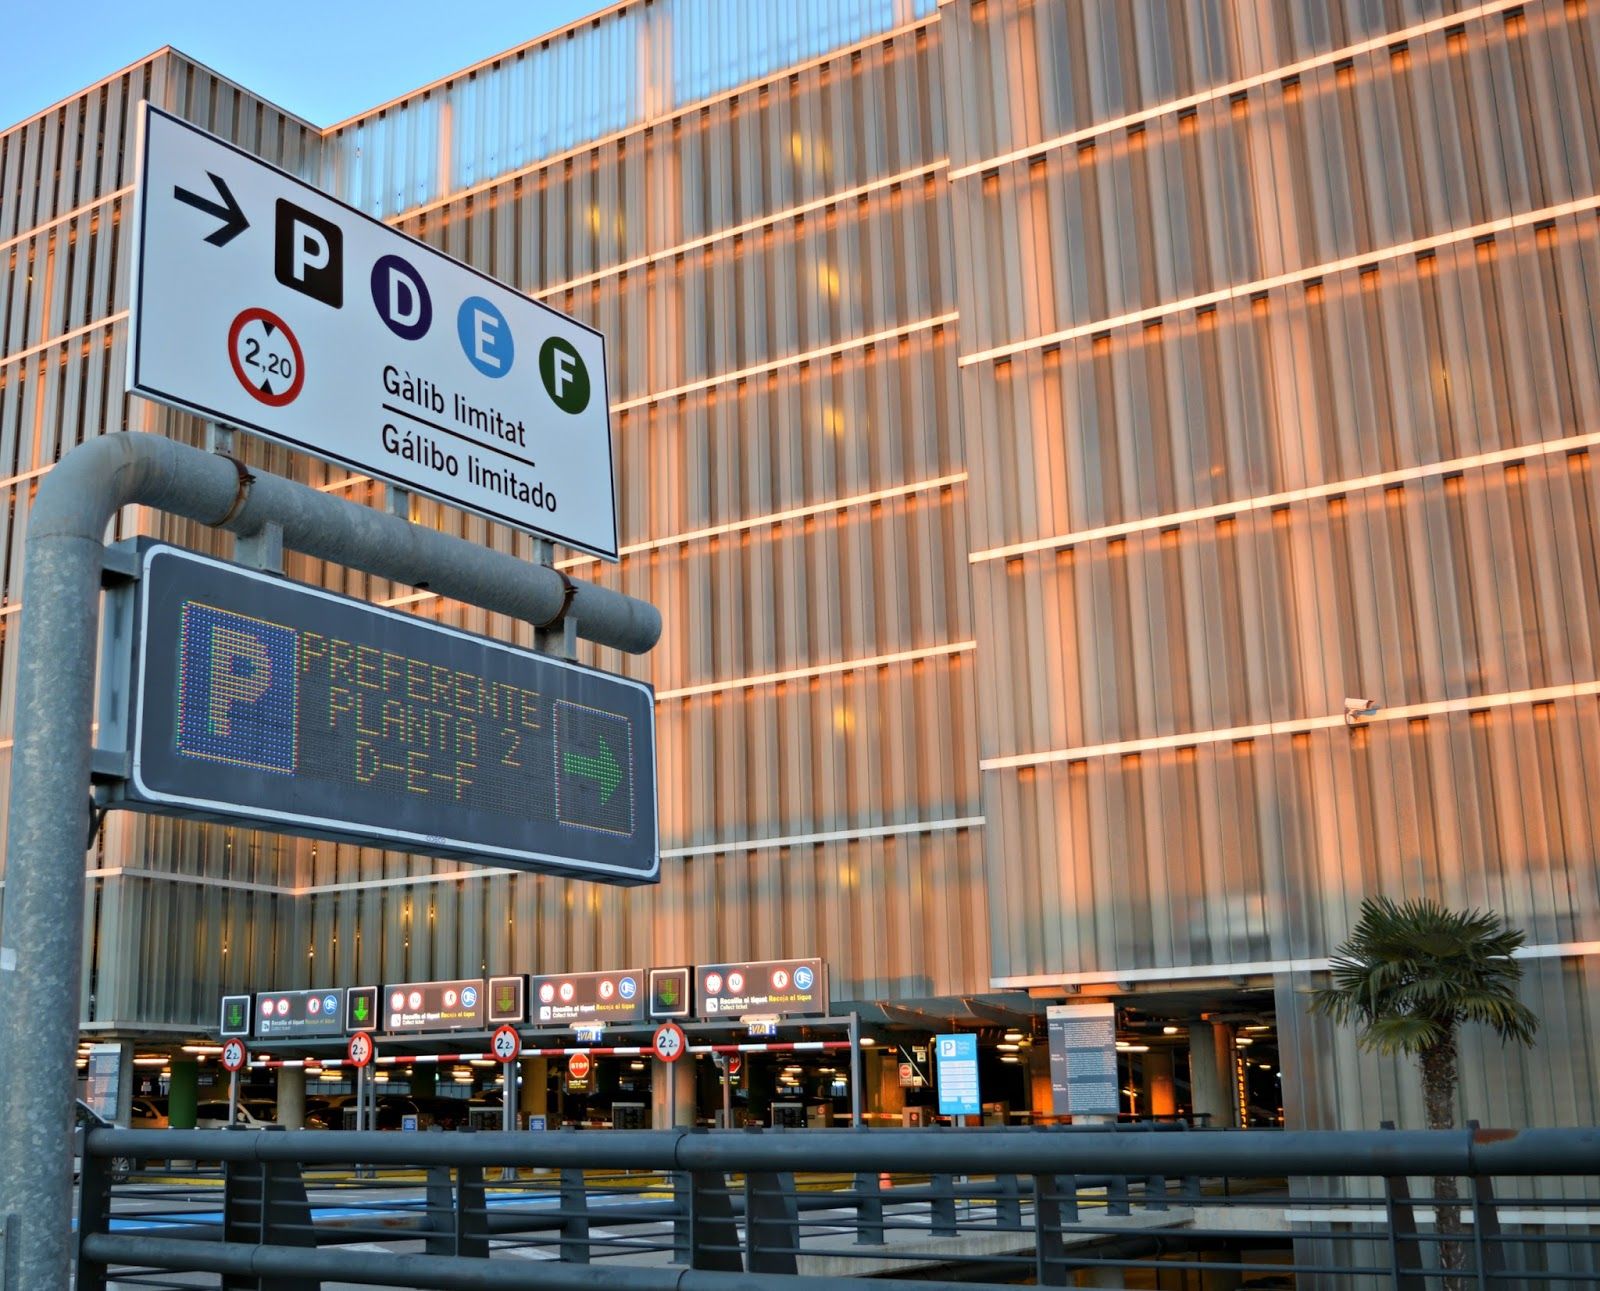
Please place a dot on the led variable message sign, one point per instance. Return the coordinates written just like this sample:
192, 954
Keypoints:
433, 1006
299, 1014
574, 998
772, 986
266, 702
508, 999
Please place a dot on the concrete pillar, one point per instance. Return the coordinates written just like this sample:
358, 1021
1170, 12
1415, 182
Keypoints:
1211, 1072
291, 1097
682, 1075
1160, 1099
533, 1097
183, 1094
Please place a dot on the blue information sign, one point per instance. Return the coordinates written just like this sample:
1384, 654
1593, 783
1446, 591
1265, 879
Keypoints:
283, 706
958, 1075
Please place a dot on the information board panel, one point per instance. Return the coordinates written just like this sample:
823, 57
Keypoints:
958, 1074
270, 703
433, 1006
294, 1014
261, 302
767, 986
1083, 1059
570, 999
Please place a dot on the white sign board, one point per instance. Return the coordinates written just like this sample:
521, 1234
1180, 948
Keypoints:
262, 303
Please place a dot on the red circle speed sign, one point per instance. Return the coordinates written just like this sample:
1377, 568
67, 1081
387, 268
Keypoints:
363, 1049
670, 1043
234, 1055
506, 1044
578, 1066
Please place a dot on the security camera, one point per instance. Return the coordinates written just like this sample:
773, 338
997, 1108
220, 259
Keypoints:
1358, 708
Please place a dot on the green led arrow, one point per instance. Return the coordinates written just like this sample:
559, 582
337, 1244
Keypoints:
602, 769
361, 1008
235, 1015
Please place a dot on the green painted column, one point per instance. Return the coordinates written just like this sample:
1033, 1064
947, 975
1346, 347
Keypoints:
183, 1094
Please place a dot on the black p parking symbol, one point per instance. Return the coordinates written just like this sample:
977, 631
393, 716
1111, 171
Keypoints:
308, 254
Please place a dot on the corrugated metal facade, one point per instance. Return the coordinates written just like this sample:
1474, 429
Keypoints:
1281, 385
1033, 420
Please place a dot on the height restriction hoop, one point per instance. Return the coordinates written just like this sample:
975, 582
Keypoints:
363, 1049
507, 1044
234, 1055
669, 1042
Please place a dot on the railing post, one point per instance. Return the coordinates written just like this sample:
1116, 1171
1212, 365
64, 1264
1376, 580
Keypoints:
264, 1204
1486, 1239
1155, 1192
94, 1215
713, 1234
1117, 1195
1055, 1202
771, 1223
472, 1213
683, 1220
869, 1208
574, 1217
440, 1206
1405, 1253
1007, 1201
942, 1205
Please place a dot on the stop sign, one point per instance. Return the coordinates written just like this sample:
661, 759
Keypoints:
578, 1066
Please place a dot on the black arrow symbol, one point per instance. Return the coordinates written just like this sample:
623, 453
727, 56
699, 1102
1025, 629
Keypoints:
228, 211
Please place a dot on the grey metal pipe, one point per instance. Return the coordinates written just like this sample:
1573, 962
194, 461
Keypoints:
976, 1151
42, 934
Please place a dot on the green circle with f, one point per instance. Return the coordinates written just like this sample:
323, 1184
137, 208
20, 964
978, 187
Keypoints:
565, 377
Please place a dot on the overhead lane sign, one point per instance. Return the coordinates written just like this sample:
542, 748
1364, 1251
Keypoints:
260, 302
264, 701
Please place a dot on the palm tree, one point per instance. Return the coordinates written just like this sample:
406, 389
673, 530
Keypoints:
1409, 976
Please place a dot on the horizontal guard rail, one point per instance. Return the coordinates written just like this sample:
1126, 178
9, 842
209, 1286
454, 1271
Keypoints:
970, 1151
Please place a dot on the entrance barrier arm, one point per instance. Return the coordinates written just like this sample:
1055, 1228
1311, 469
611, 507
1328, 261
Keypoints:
42, 934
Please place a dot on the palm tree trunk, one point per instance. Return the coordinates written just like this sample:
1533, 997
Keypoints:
1439, 1079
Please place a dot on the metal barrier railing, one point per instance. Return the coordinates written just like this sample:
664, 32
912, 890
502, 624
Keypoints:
707, 1209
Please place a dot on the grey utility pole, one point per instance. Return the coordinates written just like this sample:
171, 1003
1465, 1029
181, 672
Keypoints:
42, 935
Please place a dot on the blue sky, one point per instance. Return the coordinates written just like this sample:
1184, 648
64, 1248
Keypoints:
323, 61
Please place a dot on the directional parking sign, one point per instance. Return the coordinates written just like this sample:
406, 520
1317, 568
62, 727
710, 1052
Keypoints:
260, 302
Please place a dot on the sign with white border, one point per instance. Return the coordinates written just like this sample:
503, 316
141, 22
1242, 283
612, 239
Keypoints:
260, 302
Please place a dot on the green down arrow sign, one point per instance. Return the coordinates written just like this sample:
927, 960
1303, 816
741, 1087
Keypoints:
361, 1008
602, 768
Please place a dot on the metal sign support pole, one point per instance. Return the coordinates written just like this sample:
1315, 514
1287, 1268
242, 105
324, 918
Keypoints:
727, 1092
233, 1097
672, 1095
508, 1095
41, 939
855, 1070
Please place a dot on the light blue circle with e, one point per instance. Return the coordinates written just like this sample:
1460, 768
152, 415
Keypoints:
485, 336
627, 988
469, 996
802, 978
330, 1003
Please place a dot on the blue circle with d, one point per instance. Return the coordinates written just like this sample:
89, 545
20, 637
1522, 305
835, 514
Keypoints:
485, 336
401, 298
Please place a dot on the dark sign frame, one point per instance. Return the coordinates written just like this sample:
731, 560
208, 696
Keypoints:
445, 743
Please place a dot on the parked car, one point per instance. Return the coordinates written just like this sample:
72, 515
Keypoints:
214, 1116
85, 1118
147, 1114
